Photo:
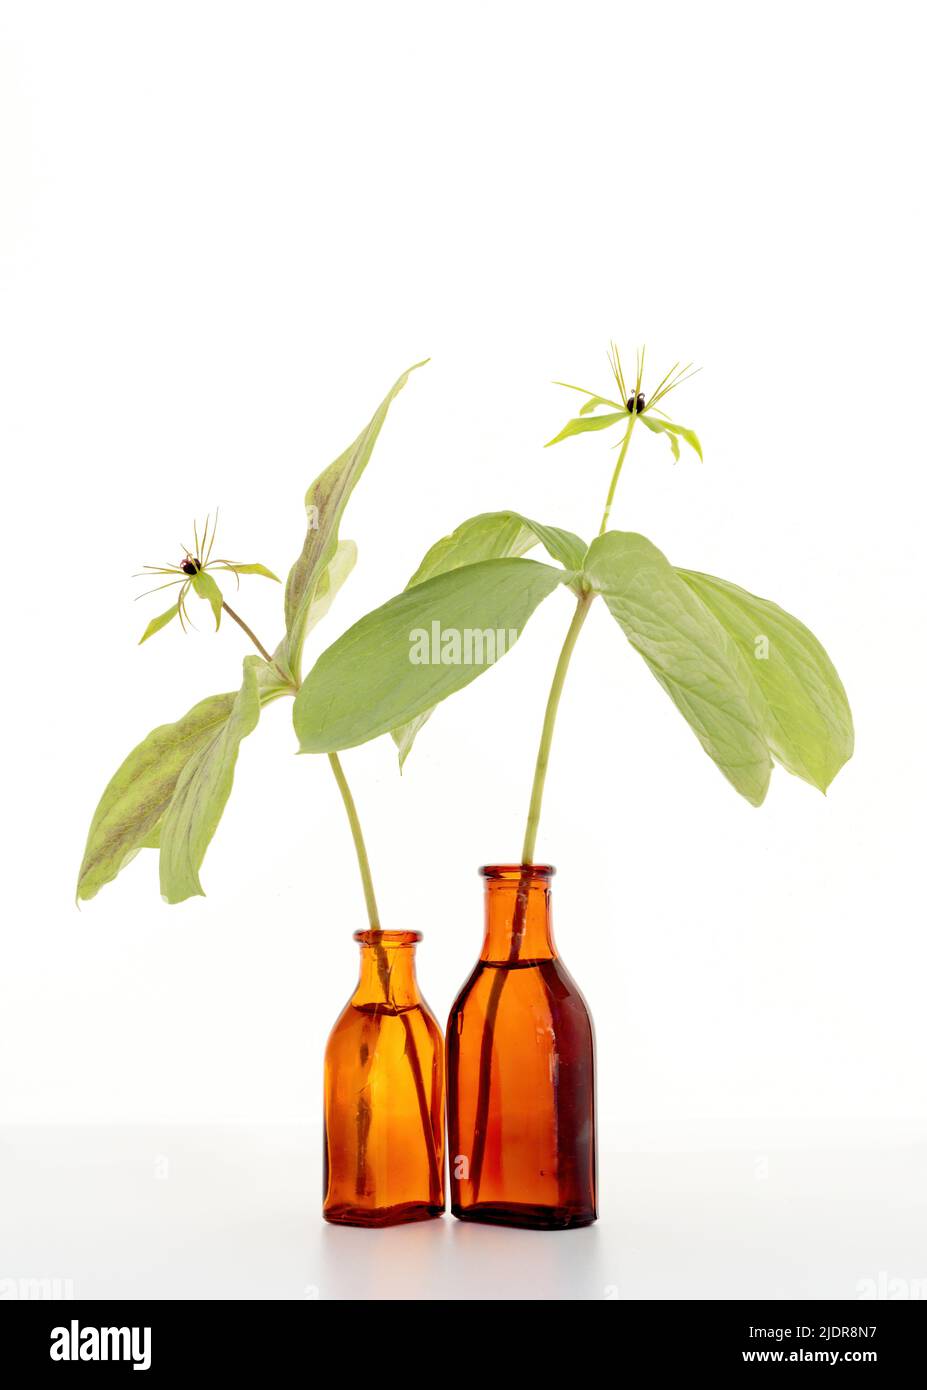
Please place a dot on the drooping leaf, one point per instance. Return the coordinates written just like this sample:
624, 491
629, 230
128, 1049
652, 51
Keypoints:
157, 623
202, 790
129, 815
582, 423
692, 656
489, 536
672, 430
131, 807
405, 736
207, 588
425, 644
807, 719
325, 502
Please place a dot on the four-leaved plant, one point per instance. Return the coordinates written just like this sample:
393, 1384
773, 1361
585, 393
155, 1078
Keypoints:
753, 682
170, 792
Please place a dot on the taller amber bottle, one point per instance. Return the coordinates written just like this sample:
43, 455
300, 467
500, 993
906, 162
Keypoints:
384, 1094
521, 1070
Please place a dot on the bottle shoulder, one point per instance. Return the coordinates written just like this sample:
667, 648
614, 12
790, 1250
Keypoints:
527, 981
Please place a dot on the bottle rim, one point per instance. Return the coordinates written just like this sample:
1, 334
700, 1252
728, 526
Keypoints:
387, 938
507, 873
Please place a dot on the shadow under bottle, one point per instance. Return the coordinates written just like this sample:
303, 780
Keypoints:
521, 1070
384, 1094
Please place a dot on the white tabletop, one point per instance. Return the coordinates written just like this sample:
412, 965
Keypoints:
233, 1212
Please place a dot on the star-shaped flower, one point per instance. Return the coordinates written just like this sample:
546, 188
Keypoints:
192, 573
632, 403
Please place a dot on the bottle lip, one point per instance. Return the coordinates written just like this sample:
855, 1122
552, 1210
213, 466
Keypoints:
387, 938
511, 873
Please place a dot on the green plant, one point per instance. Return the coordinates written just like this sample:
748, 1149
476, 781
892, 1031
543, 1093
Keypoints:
752, 681
170, 792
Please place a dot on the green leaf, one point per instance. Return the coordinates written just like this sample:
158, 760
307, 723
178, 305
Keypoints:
654, 425
692, 656
130, 809
671, 431
489, 536
582, 423
326, 500
202, 790
425, 644
130, 812
497, 536
248, 569
157, 623
331, 580
207, 588
806, 715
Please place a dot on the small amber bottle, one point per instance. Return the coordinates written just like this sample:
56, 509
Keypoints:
521, 1070
384, 1094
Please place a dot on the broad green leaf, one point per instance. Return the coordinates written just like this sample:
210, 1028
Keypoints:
671, 430
692, 656
202, 791
248, 569
425, 644
489, 536
130, 812
325, 502
207, 588
157, 623
582, 423
807, 719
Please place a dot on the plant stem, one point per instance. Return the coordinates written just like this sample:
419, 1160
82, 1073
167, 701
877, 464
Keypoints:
384, 971
363, 862
353, 818
621, 457
547, 733
248, 633
363, 1117
520, 912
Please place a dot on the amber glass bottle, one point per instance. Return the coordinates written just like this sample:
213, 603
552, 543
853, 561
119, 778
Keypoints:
384, 1094
521, 1070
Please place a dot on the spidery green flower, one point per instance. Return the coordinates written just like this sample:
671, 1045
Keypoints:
632, 404
193, 573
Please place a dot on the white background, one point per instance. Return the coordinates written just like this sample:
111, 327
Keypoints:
224, 231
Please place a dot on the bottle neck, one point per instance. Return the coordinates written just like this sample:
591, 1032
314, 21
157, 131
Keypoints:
518, 920
387, 970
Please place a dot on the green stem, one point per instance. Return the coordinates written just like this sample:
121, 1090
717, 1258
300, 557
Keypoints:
547, 733
362, 861
520, 911
353, 818
248, 633
621, 456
